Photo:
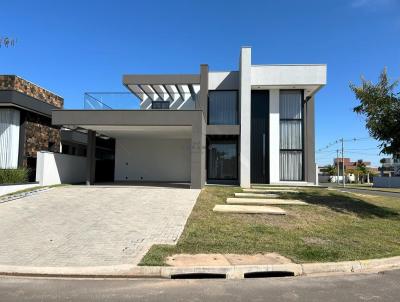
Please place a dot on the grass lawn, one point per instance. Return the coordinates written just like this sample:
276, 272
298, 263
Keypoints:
335, 227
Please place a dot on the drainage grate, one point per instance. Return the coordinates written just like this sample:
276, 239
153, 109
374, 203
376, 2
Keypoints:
15, 196
198, 276
268, 274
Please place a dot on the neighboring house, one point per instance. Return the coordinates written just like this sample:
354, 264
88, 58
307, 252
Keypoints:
252, 125
25, 123
390, 167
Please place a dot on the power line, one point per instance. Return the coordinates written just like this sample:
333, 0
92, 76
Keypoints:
332, 144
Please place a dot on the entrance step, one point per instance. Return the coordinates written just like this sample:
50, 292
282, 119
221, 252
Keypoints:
269, 190
264, 195
264, 201
241, 209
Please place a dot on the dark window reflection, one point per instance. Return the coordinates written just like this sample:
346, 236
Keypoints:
222, 159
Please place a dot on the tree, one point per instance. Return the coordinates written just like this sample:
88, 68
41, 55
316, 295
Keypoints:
7, 42
380, 104
331, 170
361, 170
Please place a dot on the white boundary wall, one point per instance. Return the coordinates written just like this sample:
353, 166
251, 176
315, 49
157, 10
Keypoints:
387, 182
56, 168
7, 189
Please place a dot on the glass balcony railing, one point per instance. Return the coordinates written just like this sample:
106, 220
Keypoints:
130, 101
110, 101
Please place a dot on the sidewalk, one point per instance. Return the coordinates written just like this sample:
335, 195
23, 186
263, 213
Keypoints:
228, 272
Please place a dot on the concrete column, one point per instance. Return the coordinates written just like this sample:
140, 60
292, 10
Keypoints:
274, 136
202, 102
309, 141
245, 115
198, 155
91, 157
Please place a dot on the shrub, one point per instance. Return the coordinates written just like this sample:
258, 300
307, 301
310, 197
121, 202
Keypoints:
12, 176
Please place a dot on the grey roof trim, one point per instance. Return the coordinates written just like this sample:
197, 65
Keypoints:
161, 79
223, 130
125, 117
23, 101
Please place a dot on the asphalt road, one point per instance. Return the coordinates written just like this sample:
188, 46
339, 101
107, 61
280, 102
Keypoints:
370, 192
363, 287
362, 191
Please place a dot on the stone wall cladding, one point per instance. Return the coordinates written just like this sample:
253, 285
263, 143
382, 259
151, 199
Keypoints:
12, 82
40, 135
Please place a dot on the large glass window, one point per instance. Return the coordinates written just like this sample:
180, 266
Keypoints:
223, 107
222, 158
291, 135
9, 138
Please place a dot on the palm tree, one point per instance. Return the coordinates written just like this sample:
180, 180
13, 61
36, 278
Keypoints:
331, 170
361, 170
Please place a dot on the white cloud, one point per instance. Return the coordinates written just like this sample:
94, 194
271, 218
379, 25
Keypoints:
372, 3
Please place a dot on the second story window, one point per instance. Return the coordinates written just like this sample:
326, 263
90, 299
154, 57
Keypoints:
160, 105
223, 107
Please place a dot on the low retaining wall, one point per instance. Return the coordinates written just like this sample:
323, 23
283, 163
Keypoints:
7, 189
387, 182
56, 168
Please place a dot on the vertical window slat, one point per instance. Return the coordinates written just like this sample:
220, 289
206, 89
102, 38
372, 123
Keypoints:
291, 135
222, 108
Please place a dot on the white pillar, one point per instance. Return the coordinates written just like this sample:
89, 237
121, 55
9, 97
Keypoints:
274, 136
245, 115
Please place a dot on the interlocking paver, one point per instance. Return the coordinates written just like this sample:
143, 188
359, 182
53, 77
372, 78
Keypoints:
90, 226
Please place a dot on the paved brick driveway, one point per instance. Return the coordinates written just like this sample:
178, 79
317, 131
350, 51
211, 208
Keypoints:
91, 226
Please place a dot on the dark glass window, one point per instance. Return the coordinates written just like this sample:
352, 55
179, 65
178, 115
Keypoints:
223, 107
222, 159
160, 105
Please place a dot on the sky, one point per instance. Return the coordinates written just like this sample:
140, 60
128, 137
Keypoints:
72, 47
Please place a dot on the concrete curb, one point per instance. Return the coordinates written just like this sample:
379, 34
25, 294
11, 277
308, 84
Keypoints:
231, 272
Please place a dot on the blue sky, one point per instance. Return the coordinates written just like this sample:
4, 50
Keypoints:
71, 47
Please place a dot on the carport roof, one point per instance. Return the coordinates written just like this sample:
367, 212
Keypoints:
91, 119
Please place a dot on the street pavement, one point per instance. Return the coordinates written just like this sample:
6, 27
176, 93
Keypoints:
384, 286
363, 191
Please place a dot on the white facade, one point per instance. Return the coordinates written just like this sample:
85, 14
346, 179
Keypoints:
274, 78
152, 159
56, 168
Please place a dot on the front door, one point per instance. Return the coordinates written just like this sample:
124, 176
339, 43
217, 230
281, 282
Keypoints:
259, 136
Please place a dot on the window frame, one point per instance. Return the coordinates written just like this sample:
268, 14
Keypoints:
220, 138
302, 135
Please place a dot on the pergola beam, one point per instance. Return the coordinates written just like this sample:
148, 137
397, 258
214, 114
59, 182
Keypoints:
168, 92
156, 92
192, 93
144, 91
180, 92
169, 79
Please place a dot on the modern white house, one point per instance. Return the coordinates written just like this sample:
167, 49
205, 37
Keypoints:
251, 125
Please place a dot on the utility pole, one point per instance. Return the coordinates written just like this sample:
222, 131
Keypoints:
337, 166
344, 175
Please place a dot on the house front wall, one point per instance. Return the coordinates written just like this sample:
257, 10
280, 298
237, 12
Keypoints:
152, 159
219, 134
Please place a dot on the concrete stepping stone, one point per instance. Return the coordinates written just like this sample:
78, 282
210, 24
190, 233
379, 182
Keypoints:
265, 201
241, 209
264, 195
269, 190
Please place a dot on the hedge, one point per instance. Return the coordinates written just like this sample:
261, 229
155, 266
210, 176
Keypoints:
12, 176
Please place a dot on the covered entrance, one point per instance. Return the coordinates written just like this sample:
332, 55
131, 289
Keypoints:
150, 146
